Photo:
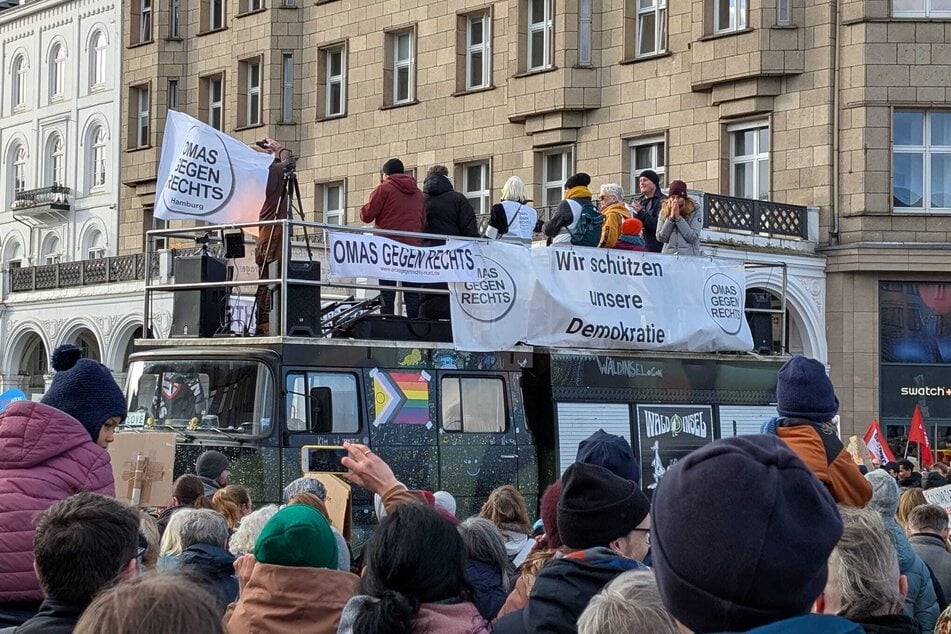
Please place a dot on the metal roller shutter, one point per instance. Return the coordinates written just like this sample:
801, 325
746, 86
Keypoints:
748, 419
577, 421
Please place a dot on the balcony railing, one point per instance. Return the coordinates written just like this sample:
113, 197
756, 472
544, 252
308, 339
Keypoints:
757, 217
55, 196
123, 268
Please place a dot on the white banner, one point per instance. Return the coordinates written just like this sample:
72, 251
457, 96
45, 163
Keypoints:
207, 175
601, 298
367, 255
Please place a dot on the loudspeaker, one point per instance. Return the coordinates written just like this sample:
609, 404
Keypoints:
761, 324
397, 328
199, 313
303, 302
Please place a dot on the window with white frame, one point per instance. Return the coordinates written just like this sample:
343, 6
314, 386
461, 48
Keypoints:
335, 65
540, 34
97, 162
784, 13
145, 21
404, 75
921, 160
14, 255
97, 60
94, 245
921, 8
173, 94
213, 15
729, 15
651, 27
584, 32
333, 203
475, 185
57, 70
19, 169
56, 161
287, 87
174, 19
478, 51
51, 249
749, 160
556, 168
18, 89
140, 101
251, 80
647, 154
214, 97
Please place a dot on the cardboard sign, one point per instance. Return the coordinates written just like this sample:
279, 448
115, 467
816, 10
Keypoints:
338, 500
940, 496
142, 465
859, 452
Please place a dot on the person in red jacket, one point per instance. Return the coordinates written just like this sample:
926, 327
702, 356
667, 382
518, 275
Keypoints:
396, 204
48, 452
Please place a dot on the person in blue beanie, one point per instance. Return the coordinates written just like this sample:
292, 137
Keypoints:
807, 403
612, 452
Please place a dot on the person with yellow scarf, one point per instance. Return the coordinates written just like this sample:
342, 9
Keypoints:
614, 211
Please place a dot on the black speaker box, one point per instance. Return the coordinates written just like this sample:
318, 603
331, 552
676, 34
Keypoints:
761, 324
397, 328
199, 313
303, 302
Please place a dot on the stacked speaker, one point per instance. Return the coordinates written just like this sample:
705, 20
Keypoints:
199, 313
303, 302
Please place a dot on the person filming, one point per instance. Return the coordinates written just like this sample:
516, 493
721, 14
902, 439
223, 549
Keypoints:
269, 240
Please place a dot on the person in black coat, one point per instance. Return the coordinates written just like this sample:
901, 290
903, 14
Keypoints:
487, 565
204, 558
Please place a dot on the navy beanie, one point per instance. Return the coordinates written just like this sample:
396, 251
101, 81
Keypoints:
741, 532
803, 390
596, 507
211, 464
84, 389
612, 452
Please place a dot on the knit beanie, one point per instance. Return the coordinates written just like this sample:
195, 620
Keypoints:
677, 188
297, 536
84, 389
578, 180
393, 166
305, 485
612, 452
444, 500
933, 480
211, 464
632, 227
596, 506
803, 390
650, 175
549, 514
741, 532
885, 495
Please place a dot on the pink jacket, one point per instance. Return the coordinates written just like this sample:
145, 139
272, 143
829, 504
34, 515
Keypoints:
45, 457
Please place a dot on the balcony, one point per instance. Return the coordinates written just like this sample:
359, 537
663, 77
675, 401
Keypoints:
43, 207
124, 268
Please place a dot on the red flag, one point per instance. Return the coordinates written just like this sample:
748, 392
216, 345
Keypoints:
877, 446
918, 434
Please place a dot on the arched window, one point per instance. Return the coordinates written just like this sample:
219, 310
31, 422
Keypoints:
56, 160
57, 70
51, 250
97, 60
97, 157
13, 258
94, 246
18, 90
19, 169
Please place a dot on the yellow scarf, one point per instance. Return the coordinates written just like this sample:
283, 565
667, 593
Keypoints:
578, 192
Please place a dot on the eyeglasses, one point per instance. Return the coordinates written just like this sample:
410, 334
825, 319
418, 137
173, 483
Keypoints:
647, 534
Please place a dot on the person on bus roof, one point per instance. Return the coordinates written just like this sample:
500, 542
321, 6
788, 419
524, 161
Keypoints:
49, 451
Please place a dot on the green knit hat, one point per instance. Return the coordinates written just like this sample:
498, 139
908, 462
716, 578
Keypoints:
299, 536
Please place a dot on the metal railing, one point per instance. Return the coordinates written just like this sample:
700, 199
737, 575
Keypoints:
53, 196
124, 268
758, 217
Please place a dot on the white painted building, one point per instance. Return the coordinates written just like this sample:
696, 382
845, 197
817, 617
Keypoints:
59, 189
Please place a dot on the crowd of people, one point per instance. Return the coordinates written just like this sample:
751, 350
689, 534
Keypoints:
653, 223
776, 532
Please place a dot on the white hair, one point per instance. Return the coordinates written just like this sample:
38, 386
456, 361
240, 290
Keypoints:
630, 603
172, 537
514, 189
613, 189
248, 531
204, 526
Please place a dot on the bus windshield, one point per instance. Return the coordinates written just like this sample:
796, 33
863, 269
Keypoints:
214, 395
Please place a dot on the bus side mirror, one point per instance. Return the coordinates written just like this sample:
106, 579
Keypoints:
321, 411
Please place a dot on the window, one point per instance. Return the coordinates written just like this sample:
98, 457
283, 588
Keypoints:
729, 15
646, 154
173, 94
749, 160
18, 90
213, 89
51, 249
95, 247
478, 51
97, 175
921, 159
248, 6
584, 32
56, 161
473, 405
556, 168
174, 21
651, 38
97, 60
336, 81
921, 8
540, 34
475, 185
344, 402
19, 169
333, 204
57, 70
784, 13
139, 100
287, 87
403, 73
14, 254
212, 15
145, 21
250, 109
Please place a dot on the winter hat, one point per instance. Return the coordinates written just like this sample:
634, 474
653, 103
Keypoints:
393, 166
578, 180
933, 480
632, 227
596, 506
305, 485
298, 536
766, 522
612, 452
549, 514
444, 500
677, 188
211, 464
884, 493
652, 176
803, 390
84, 389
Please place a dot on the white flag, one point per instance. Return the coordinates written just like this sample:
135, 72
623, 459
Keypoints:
207, 175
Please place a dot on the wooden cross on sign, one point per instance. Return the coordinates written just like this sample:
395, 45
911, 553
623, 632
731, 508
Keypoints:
140, 473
